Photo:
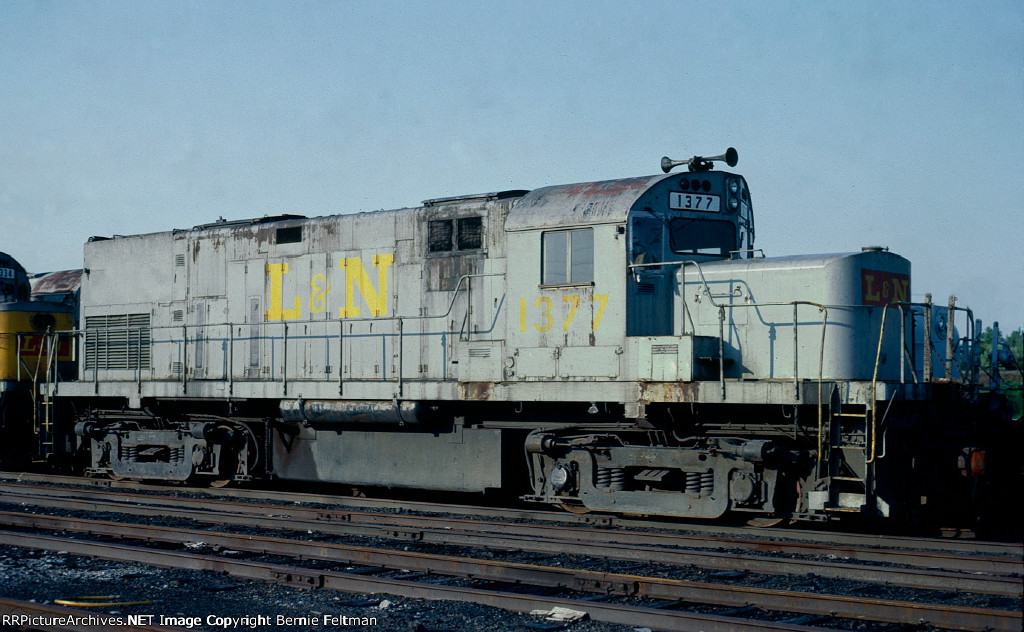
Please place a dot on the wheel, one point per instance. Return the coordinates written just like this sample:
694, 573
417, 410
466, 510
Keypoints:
575, 509
764, 523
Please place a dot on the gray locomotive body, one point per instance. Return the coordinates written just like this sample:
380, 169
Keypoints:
614, 346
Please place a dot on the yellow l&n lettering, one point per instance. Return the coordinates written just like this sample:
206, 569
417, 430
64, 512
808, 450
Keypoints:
276, 311
355, 275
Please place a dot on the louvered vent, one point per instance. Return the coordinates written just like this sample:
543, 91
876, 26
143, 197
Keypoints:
471, 233
645, 288
179, 260
439, 235
480, 352
117, 341
669, 349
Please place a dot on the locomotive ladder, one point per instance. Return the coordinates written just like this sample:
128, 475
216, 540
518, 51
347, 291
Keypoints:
43, 409
857, 448
851, 465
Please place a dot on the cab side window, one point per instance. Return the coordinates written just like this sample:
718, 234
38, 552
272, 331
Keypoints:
645, 239
567, 257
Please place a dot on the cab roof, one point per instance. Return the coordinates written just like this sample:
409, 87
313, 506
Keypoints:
586, 203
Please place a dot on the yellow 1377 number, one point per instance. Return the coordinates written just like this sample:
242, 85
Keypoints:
547, 319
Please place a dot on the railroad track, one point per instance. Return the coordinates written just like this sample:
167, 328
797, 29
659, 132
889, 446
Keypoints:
991, 569
962, 542
928, 570
414, 566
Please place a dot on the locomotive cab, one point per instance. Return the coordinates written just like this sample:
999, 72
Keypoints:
749, 384
699, 216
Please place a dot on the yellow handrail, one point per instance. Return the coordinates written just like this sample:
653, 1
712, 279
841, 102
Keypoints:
874, 381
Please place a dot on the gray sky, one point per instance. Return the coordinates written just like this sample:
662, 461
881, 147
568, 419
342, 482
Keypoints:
869, 123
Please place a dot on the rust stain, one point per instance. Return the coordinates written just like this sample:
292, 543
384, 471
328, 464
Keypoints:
263, 235
606, 187
669, 392
475, 391
57, 282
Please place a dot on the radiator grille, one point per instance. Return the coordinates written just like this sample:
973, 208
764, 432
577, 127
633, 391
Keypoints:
117, 341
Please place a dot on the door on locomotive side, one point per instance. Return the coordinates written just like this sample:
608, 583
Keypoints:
565, 320
648, 289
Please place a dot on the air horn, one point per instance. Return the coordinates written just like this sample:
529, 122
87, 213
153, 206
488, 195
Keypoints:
700, 163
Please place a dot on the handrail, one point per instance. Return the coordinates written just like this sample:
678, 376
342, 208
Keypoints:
736, 252
950, 327
874, 380
969, 378
795, 304
462, 286
49, 341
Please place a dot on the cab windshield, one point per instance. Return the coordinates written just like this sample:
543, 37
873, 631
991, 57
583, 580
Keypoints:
654, 240
690, 235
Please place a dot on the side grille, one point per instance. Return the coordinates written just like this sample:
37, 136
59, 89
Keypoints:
117, 341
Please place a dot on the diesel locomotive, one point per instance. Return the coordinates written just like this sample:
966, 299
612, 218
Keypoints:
615, 346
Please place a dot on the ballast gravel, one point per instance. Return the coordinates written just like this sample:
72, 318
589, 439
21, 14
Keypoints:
204, 600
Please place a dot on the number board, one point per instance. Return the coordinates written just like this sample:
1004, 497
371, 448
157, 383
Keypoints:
6, 273
693, 202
